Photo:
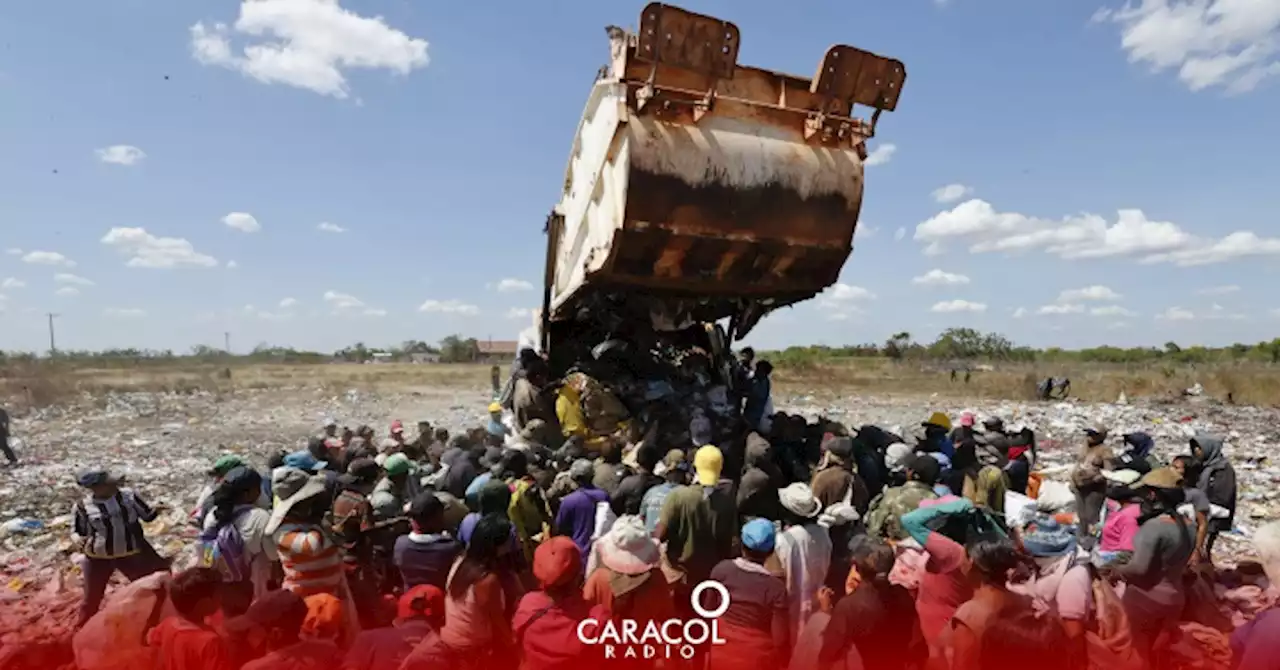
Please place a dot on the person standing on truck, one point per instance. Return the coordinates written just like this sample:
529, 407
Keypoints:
530, 401
759, 405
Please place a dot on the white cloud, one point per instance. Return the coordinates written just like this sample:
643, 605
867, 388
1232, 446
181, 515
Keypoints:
375, 311
519, 313
48, 258
1112, 310
865, 231
449, 307
121, 154
67, 292
66, 278
509, 285
288, 302
881, 154
1219, 290
847, 293
978, 224
1020, 312
951, 306
1176, 314
242, 221
937, 277
124, 312
148, 251
12, 282
899, 234
1233, 44
331, 228
1094, 292
342, 300
309, 44
13, 251
952, 193
231, 265
1061, 309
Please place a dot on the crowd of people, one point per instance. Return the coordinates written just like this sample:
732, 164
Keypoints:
837, 548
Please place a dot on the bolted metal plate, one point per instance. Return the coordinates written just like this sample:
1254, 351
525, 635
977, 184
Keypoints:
675, 37
860, 77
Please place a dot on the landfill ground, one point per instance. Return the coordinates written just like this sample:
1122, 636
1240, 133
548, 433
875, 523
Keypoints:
164, 440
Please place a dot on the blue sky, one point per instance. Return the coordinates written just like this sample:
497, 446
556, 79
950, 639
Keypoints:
1076, 172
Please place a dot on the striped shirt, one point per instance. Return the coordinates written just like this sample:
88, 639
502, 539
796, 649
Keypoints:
112, 527
312, 560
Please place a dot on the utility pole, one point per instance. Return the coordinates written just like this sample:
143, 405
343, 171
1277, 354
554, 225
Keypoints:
226, 342
53, 343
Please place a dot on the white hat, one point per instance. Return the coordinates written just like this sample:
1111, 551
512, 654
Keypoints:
628, 548
798, 499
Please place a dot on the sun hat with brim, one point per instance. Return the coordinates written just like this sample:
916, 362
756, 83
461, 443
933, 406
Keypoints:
304, 460
1046, 538
292, 486
1160, 478
397, 464
798, 499
92, 478
1125, 477
759, 535
225, 464
277, 610
628, 548
939, 419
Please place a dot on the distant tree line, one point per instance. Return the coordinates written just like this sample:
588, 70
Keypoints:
968, 344
452, 349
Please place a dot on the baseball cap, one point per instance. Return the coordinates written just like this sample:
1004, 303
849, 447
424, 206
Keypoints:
495, 407
277, 610
557, 561
425, 506
304, 460
397, 464
1099, 430
840, 447
707, 463
397, 426
581, 468
674, 460
423, 600
926, 467
225, 464
759, 535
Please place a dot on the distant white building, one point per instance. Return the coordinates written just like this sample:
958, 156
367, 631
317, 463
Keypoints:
382, 357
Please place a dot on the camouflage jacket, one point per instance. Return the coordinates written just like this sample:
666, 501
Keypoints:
884, 519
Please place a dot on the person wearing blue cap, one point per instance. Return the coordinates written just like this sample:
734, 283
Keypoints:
755, 627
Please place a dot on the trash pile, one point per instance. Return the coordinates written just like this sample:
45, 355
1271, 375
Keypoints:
165, 442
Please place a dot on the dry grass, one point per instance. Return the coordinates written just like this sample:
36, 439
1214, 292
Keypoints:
48, 383
1248, 383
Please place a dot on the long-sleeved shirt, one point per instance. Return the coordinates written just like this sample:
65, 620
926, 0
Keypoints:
805, 555
312, 560
112, 527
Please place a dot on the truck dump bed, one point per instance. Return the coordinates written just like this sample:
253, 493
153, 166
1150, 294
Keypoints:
699, 189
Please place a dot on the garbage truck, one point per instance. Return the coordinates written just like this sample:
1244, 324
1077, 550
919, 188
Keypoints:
701, 194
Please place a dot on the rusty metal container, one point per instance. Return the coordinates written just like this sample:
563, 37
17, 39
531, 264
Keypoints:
699, 189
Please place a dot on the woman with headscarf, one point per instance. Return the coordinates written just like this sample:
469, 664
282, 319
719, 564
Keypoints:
476, 633
1217, 481
546, 621
761, 479
1021, 460
804, 552
755, 627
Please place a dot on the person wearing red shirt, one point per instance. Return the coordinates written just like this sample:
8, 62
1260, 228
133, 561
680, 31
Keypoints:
185, 642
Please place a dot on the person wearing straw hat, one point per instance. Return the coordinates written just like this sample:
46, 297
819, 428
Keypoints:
755, 627
311, 558
629, 582
804, 552
1154, 595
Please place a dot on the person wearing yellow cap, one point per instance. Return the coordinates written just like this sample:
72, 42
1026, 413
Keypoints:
497, 431
698, 523
937, 436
